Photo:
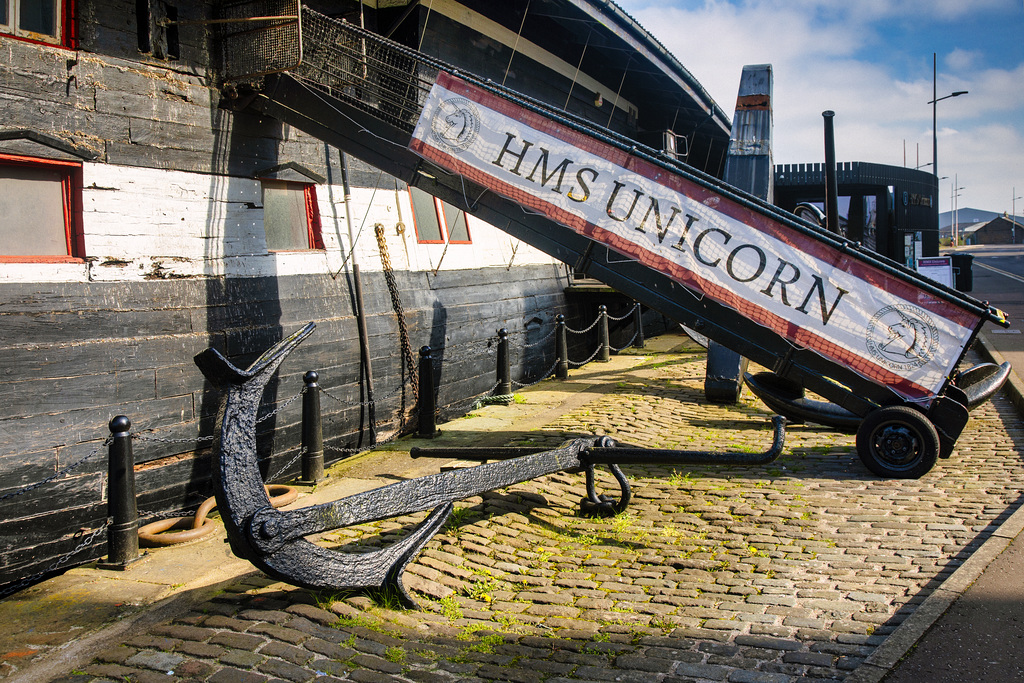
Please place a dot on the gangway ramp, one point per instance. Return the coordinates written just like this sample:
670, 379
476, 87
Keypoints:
869, 335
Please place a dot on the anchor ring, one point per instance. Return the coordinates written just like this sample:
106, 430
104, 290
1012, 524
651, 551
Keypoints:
159, 534
600, 505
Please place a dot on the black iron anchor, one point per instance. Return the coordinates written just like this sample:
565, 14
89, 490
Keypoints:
242, 499
274, 540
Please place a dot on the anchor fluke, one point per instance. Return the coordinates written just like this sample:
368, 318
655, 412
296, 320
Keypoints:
306, 564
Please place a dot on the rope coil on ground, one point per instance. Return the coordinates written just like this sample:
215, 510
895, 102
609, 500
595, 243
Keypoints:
160, 534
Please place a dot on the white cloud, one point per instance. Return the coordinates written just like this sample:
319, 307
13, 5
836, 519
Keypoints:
817, 49
944, 9
960, 60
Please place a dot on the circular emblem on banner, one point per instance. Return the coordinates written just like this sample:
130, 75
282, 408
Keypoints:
456, 124
902, 337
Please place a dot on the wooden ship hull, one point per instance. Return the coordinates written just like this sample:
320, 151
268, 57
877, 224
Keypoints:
188, 223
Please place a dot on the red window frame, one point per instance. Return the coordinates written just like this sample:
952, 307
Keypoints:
313, 225
314, 228
442, 223
68, 38
71, 193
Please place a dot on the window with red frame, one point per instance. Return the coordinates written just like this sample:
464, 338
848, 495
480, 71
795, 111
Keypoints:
44, 21
40, 214
291, 216
436, 221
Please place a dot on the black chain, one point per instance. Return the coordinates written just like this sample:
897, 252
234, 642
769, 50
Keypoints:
626, 315
86, 542
58, 473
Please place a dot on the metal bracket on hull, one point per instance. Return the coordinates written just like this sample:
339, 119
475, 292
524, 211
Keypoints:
274, 540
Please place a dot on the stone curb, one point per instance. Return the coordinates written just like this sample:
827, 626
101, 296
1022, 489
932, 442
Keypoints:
79, 652
920, 621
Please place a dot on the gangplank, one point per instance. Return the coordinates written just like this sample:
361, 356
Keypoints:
822, 313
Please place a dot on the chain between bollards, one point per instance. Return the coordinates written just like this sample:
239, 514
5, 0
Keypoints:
639, 317
312, 431
312, 421
123, 532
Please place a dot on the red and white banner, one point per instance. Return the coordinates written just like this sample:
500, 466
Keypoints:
883, 327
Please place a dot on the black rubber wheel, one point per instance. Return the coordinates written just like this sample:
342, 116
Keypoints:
898, 442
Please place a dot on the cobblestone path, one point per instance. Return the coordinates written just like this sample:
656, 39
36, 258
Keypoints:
789, 572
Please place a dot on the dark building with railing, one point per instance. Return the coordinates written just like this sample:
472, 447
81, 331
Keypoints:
890, 209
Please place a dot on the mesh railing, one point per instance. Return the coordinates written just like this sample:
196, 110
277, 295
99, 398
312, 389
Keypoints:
327, 54
264, 37
364, 71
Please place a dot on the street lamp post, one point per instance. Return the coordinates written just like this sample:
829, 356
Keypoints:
954, 194
1013, 216
934, 101
935, 132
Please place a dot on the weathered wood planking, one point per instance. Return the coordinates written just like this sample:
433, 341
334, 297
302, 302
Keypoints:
172, 213
70, 390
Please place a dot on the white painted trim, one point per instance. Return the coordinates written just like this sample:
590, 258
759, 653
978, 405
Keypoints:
148, 224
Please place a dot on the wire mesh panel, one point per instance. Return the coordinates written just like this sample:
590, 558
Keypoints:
327, 54
363, 69
262, 37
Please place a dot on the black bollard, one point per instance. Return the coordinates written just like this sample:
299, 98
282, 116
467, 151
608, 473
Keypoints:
312, 431
123, 532
606, 347
638, 317
504, 387
427, 403
561, 349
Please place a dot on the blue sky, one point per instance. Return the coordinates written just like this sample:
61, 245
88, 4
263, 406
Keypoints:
870, 61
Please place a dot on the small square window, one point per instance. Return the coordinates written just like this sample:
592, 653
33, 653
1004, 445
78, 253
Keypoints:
438, 222
291, 216
39, 209
41, 20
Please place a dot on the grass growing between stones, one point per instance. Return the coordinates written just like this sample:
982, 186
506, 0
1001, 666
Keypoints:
395, 654
450, 608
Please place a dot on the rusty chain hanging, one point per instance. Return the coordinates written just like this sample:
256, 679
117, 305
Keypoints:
408, 364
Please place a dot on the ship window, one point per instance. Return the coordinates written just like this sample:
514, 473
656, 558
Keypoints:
438, 222
41, 20
291, 216
39, 215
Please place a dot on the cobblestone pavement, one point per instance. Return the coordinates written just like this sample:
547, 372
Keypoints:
789, 572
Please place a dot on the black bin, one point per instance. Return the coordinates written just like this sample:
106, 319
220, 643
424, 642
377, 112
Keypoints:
963, 276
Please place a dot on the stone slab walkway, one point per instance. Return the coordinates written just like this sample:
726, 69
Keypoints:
794, 571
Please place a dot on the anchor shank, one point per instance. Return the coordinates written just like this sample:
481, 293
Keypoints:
272, 528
